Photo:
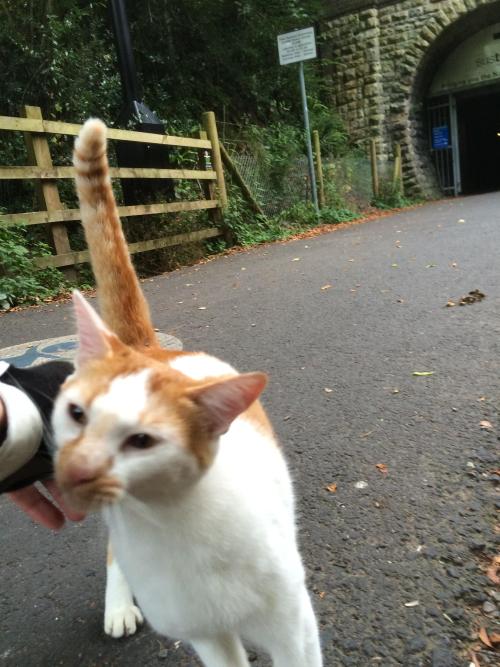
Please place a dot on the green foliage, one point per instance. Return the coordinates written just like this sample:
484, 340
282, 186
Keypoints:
192, 56
332, 215
251, 229
331, 129
391, 197
20, 280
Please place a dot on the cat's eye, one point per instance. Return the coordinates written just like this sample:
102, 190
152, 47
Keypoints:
76, 413
139, 441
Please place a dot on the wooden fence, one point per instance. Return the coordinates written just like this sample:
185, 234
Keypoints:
55, 215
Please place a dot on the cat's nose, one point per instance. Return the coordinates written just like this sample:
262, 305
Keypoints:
81, 474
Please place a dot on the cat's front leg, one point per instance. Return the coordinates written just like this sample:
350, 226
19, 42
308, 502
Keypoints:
222, 651
121, 615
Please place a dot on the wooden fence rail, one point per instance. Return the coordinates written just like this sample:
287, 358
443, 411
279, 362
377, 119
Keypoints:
53, 213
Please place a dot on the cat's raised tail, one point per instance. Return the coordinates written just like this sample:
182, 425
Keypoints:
122, 303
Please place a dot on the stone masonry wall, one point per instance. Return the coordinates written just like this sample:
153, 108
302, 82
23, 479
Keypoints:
384, 57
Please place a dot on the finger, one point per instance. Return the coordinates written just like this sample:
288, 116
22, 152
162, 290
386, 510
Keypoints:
38, 507
51, 486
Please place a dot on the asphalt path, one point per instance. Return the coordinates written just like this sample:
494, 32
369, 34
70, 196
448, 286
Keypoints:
341, 322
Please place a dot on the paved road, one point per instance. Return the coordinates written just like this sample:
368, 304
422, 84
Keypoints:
415, 534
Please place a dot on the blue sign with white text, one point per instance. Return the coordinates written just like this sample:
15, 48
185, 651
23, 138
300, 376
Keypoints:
440, 136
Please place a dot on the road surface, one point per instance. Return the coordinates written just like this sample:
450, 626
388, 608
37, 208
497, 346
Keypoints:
341, 322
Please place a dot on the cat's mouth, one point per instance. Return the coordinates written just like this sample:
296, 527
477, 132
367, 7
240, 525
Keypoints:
92, 495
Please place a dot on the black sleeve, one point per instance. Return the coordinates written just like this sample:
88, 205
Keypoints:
41, 383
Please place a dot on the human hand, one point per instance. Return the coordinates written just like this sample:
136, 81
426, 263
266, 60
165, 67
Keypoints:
43, 510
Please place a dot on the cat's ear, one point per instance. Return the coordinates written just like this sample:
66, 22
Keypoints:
94, 338
224, 400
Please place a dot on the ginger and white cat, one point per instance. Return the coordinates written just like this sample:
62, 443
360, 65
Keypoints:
177, 451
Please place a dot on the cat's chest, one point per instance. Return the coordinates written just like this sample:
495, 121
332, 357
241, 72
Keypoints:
181, 579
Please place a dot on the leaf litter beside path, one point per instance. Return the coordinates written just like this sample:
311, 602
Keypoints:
472, 297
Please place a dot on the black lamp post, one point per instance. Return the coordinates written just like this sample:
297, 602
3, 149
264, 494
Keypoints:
136, 113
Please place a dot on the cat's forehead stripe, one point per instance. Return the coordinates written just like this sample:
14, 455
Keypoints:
126, 396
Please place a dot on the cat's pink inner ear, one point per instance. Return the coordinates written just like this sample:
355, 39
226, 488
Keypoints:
93, 335
223, 401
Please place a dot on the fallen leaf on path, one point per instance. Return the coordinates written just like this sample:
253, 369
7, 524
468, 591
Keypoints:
485, 425
382, 468
332, 488
422, 374
483, 636
495, 638
322, 594
472, 297
450, 304
482, 398
493, 570
413, 603
326, 286
365, 435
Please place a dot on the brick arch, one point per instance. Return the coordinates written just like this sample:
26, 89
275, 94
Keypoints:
443, 33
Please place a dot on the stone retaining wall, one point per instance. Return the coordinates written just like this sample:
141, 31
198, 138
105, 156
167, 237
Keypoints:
384, 56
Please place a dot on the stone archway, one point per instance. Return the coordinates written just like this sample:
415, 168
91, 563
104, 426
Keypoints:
441, 36
383, 55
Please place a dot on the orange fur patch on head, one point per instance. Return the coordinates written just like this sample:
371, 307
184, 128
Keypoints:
257, 416
169, 402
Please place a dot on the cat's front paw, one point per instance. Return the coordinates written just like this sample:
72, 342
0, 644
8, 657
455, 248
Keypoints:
122, 621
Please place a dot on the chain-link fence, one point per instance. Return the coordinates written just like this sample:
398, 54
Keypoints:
347, 179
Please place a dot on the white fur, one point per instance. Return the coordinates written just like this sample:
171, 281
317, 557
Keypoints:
121, 615
199, 366
224, 564
217, 562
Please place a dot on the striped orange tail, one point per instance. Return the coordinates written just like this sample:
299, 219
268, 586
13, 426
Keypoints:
122, 303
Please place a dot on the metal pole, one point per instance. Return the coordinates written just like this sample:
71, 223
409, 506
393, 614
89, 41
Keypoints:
308, 137
126, 61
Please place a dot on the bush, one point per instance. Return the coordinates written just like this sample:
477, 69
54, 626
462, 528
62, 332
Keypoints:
20, 280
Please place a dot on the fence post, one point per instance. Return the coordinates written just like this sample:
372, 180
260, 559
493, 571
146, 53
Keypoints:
208, 186
397, 178
373, 160
211, 129
39, 154
319, 169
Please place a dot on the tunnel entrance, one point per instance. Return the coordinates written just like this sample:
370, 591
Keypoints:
478, 120
463, 114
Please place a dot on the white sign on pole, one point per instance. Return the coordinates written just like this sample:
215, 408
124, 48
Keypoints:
296, 46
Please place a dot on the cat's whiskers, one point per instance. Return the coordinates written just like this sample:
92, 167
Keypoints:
140, 508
